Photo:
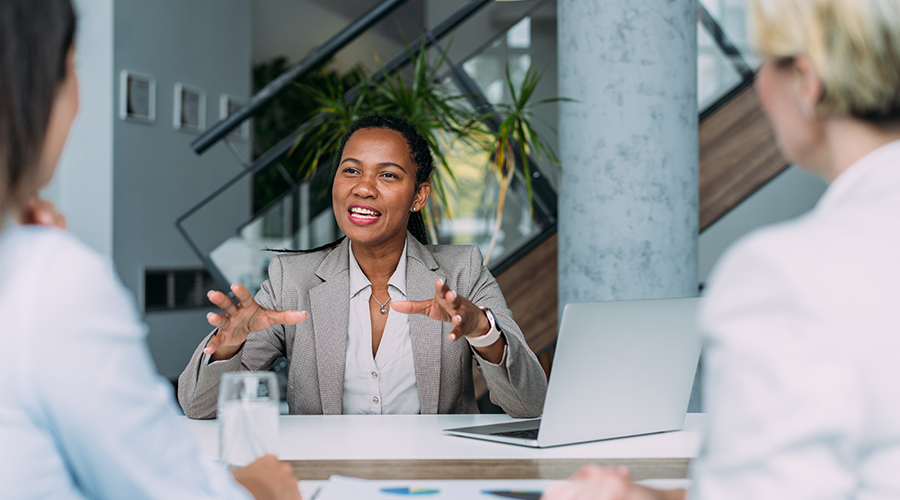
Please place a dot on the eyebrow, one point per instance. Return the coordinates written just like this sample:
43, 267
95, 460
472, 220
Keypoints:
382, 164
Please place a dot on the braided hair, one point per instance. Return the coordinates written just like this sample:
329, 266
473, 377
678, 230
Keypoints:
419, 152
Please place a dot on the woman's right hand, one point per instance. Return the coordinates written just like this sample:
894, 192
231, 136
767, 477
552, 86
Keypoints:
268, 479
240, 320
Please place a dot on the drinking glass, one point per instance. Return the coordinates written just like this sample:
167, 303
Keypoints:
248, 417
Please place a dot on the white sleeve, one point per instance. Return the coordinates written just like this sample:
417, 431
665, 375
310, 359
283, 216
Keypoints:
782, 400
113, 417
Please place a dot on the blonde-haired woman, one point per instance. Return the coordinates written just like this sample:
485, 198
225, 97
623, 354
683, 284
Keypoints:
802, 319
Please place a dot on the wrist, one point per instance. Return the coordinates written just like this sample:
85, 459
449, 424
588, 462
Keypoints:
224, 352
490, 335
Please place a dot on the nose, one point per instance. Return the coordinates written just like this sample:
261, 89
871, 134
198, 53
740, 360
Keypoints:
365, 187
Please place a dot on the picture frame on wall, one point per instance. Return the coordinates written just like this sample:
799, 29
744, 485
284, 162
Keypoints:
137, 97
190, 109
228, 105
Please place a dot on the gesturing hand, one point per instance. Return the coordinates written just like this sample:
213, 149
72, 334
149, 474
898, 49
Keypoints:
449, 307
593, 482
268, 479
240, 320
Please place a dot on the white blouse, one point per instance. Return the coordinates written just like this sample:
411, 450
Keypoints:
387, 383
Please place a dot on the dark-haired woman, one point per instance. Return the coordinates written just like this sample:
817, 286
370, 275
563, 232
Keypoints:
391, 324
83, 413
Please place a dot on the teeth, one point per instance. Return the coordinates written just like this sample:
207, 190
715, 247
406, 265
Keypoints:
364, 213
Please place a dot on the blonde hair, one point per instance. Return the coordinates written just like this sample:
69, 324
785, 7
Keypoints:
854, 46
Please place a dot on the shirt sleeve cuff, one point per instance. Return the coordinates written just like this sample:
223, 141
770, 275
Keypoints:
483, 361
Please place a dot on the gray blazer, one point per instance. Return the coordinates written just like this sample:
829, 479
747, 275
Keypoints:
316, 349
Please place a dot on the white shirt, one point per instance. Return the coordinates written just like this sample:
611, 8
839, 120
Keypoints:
802, 366
83, 413
387, 383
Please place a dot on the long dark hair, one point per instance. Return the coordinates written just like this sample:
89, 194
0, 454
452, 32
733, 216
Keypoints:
419, 152
35, 37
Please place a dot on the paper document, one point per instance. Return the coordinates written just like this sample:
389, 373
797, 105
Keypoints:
346, 488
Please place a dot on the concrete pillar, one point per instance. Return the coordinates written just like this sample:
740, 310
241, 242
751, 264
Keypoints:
628, 197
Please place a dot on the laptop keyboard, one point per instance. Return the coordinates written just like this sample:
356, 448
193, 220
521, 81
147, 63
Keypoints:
526, 434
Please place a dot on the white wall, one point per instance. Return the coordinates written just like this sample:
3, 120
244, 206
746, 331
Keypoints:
201, 43
82, 187
792, 193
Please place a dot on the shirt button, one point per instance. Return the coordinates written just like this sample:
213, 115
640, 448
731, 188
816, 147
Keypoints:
375, 400
374, 374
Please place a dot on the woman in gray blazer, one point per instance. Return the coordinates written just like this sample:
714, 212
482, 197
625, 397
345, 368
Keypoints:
374, 323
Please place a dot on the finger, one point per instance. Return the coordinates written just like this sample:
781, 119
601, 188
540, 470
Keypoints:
586, 471
213, 344
220, 321
560, 491
622, 471
440, 287
412, 306
243, 295
457, 331
223, 301
452, 299
289, 317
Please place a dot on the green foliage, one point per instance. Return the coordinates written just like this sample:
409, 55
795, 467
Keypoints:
419, 97
282, 116
336, 101
517, 135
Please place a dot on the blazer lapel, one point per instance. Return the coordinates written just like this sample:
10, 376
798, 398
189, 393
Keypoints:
425, 333
330, 312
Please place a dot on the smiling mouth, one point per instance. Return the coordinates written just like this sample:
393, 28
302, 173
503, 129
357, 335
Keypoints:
364, 213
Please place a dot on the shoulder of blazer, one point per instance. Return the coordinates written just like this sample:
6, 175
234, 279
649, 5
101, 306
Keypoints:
306, 266
458, 262
455, 256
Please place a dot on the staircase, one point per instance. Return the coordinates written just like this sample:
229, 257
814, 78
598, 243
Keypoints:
738, 155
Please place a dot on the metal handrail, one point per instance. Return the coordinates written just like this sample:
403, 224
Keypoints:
323, 53
274, 153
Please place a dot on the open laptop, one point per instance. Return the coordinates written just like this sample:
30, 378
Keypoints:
621, 369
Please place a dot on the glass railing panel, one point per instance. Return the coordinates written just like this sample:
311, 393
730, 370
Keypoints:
716, 74
473, 203
518, 35
280, 211
731, 16
299, 217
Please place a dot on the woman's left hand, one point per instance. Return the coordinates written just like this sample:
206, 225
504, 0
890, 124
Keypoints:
448, 306
593, 482
42, 213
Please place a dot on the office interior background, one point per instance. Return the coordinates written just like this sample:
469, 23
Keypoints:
123, 183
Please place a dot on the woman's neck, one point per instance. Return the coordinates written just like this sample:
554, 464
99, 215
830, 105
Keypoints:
850, 139
379, 263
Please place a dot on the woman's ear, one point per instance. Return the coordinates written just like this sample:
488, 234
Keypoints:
422, 192
808, 88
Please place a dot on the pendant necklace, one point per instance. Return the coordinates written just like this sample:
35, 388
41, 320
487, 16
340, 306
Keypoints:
383, 309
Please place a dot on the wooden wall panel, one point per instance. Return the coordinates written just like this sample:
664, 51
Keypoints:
738, 155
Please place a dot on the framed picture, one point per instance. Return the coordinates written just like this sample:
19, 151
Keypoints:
228, 105
190, 109
137, 97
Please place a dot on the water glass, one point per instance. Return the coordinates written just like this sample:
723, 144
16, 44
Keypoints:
248, 417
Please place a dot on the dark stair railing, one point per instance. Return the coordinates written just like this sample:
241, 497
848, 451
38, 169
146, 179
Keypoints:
220, 130
321, 54
527, 265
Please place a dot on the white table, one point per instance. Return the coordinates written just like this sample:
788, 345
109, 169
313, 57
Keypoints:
374, 445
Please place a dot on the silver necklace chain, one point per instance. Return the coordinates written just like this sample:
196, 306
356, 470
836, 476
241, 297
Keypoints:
383, 309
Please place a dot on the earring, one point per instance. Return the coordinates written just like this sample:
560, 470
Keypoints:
414, 209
